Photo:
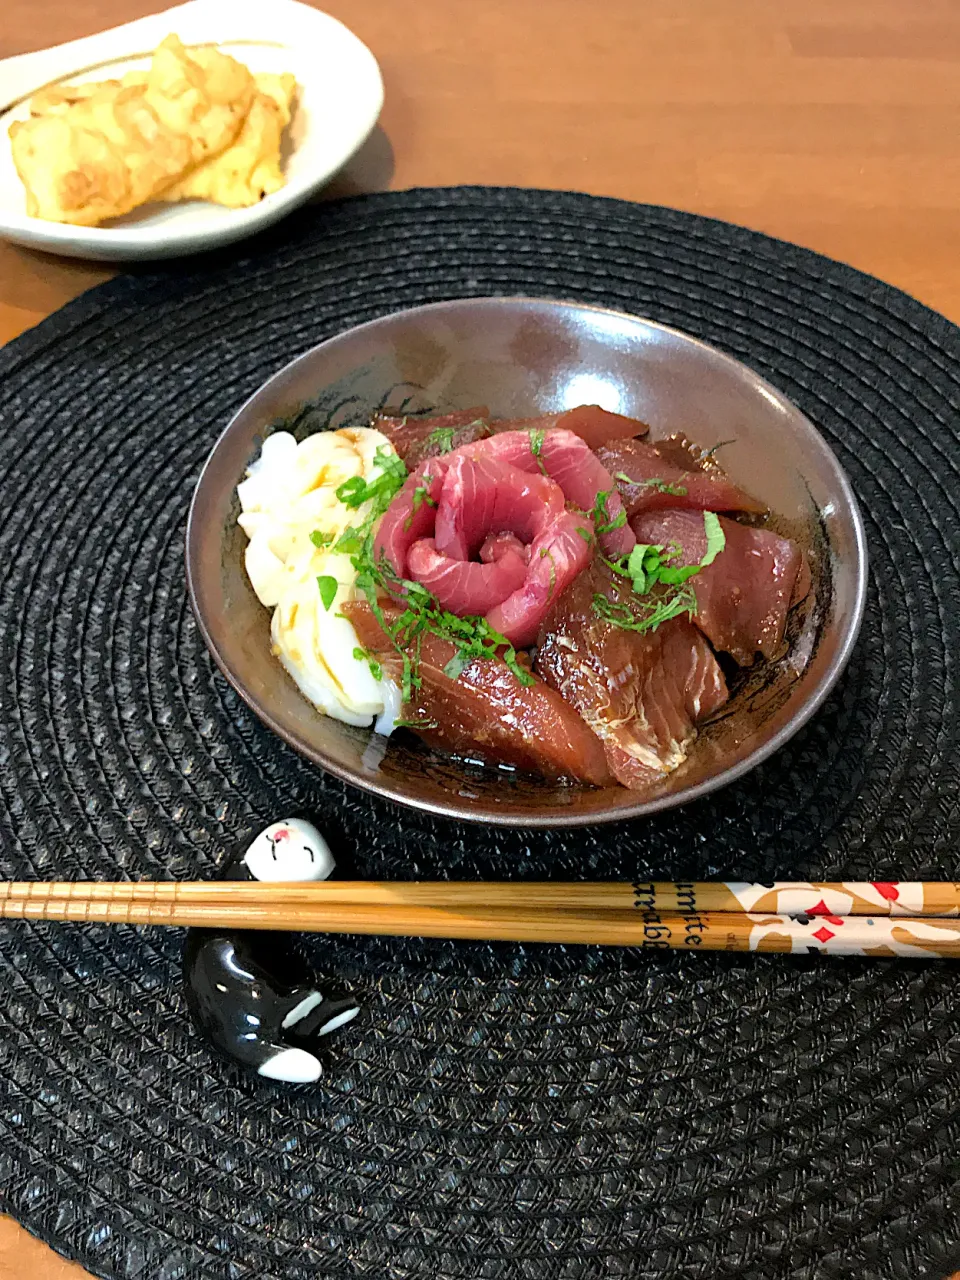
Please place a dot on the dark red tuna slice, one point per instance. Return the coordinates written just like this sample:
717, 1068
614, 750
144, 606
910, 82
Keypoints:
650, 481
641, 693
594, 426
486, 712
416, 439
743, 597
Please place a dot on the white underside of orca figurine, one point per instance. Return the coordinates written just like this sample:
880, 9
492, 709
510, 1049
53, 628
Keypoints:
293, 1066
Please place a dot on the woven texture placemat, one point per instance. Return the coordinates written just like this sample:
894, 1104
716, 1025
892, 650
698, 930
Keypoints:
498, 1111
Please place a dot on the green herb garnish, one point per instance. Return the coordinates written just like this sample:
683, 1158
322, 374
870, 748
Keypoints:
421, 495
537, 438
350, 541
364, 655
442, 437
328, 589
603, 522
474, 638
544, 553
647, 617
585, 534
356, 491
661, 486
716, 538
647, 566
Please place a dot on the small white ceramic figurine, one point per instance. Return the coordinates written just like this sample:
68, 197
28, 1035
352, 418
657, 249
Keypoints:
245, 989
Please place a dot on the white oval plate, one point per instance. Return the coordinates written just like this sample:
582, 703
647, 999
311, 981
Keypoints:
339, 100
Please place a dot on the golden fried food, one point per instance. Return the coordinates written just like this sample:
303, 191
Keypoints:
249, 169
203, 96
71, 174
57, 99
99, 158
95, 151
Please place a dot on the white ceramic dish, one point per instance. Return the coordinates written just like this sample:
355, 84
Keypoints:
341, 93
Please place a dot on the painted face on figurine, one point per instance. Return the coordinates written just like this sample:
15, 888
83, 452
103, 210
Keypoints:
289, 850
247, 991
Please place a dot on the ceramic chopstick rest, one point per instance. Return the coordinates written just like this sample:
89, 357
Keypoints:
247, 992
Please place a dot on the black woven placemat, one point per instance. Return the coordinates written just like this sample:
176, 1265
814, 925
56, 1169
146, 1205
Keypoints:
497, 1111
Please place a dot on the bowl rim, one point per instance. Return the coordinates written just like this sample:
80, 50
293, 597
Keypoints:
461, 812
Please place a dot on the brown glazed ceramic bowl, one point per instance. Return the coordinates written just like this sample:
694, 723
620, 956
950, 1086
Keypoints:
524, 357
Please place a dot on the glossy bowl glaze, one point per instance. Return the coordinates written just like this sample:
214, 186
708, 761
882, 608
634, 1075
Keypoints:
523, 357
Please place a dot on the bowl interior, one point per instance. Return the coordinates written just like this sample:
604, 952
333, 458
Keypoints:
522, 357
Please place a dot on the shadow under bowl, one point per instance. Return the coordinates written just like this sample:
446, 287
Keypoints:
524, 357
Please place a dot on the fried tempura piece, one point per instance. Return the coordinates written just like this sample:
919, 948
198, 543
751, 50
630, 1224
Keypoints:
99, 151
249, 169
204, 95
97, 159
71, 174
57, 99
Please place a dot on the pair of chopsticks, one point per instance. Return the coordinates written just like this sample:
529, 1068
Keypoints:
848, 918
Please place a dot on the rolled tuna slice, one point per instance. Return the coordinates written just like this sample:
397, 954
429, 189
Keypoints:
481, 496
486, 713
565, 458
467, 586
529, 546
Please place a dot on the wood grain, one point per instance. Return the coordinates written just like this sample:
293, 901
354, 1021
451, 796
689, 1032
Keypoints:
159, 901
832, 123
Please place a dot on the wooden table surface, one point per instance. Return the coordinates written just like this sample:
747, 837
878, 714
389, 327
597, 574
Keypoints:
832, 123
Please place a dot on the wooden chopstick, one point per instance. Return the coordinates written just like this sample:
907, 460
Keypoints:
782, 897
930, 937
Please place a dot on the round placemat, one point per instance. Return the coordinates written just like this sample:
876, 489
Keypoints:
497, 1111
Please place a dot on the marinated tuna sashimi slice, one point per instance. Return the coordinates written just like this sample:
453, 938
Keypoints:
743, 597
482, 495
416, 439
411, 515
594, 426
495, 544
642, 693
651, 481
556, 557
452, 509
467, 586
486, 712
565, 458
